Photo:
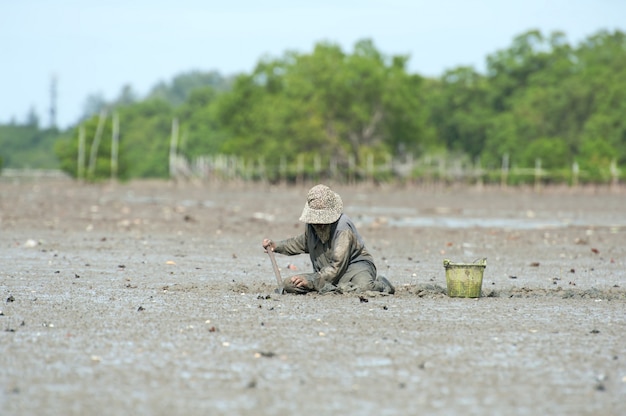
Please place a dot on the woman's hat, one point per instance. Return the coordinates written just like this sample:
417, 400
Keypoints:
323, 206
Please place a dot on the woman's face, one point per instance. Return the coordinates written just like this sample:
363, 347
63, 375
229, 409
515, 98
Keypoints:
322, 231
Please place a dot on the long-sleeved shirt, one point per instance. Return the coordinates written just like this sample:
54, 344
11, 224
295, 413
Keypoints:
331, 259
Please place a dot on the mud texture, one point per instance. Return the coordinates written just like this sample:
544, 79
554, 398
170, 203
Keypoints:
157, 298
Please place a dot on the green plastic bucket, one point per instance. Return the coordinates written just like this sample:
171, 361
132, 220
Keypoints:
464, 280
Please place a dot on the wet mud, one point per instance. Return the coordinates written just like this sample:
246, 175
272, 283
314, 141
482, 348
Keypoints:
157, 298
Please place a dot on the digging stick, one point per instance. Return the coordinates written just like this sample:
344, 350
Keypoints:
280, 290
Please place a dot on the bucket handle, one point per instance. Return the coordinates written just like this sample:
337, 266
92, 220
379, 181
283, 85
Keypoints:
481, 261
478, 262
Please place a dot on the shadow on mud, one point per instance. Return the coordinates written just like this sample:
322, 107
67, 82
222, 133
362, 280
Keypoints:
435, 291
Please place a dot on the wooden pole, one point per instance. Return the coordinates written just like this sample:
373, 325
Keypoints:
428, 176
333, 169
173, 144
370, 168
441, 169
351, 163
80, 169
262, 172
410, 161
575, 173
283, 169
299, 170
317, 166
537, 174
93, 154
614, 174
115, 138
505, 170
478, 172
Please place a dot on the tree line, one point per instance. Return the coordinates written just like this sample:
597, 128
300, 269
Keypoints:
540, 98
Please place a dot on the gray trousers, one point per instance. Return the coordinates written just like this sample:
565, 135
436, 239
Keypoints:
360, 277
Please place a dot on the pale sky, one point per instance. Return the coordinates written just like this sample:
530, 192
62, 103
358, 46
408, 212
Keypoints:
97, 47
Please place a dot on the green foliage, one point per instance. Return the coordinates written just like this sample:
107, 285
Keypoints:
552, 152
595, 158
143, 143
540, 87
179, 90
27, 146
66, 150
330, 102
541, 98
145, 131
201, 133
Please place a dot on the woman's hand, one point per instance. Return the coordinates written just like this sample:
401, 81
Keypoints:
300, 281
268, 244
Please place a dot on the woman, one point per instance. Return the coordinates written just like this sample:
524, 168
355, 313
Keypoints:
338, 254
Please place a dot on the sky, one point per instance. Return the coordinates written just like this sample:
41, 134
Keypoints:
98, 47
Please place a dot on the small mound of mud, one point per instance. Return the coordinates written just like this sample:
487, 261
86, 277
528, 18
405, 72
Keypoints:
253, 287
426, 290
239, 288
433, 291
524, 292
423, 290
180, 287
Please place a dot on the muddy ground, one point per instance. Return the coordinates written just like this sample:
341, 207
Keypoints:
157, 298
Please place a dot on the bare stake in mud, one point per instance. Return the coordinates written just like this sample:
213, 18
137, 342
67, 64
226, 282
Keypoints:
280, 290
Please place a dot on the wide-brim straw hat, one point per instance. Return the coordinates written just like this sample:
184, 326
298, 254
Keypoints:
323, 206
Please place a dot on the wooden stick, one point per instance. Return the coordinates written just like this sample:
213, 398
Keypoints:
115, 137
94, 146
80, 169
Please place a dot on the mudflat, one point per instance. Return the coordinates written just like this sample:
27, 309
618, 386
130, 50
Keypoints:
157, 298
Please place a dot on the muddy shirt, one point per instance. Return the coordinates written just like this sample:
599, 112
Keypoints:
330, 260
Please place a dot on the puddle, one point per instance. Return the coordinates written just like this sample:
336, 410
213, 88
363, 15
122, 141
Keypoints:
502, 223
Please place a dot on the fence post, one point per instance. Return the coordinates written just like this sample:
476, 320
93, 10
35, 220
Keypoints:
333, 169
232, 162
283, 169
441, 169
299, 170
370, 168
262, 172
575, 173
173, 143
537, 174
317, 166
478, 172
93, 155
614, 174
227, 171
115, 138
80, 169
505, 170
351, 169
